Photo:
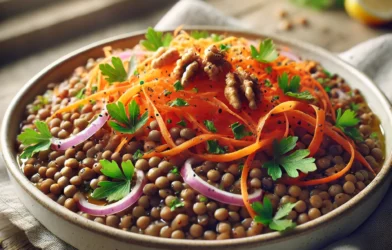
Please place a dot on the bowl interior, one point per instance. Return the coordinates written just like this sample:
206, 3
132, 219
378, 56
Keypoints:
62, 68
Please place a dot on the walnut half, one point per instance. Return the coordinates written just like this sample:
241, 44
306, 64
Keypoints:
214, 62
187, 66
164, 57
241, 82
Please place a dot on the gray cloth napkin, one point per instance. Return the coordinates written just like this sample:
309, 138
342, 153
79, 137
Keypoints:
373, 234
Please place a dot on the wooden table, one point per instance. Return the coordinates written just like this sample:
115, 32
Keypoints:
333, 30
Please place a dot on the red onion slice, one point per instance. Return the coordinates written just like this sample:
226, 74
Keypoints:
290, 55
197, 183
83, 135
118, 206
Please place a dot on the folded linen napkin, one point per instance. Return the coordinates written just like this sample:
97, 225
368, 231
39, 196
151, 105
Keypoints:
374, 62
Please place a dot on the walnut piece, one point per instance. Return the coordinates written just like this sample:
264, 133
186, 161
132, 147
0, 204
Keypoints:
164, 57
187, 66
214, 62
231, 91
241, 82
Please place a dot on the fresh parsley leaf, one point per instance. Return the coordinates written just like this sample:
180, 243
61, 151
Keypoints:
264, 215
292, 163
267, 52
175, 171
178, 86
347, 122
42, 101
137, 155
241, 166
115, 73
320, 80
195, 90
268, 70
182, 123
210, 126
239, 130
80, 94
35, 141
178, 102
291, 88
114, 190
176, 203
166, 92
224, 47
214, 148
156, 39
216, 38
199, 34
169, 121
267, 83
122, 123
347, 119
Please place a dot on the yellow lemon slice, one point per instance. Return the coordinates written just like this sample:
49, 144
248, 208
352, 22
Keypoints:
373, 12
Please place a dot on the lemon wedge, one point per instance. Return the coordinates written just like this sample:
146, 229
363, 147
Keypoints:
373, 12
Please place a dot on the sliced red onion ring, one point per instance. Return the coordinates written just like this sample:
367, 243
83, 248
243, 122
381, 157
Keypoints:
197, 183
83, 135
126, 55
290, 55
118, 206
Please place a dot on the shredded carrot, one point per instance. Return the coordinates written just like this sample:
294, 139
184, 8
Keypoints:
244, 184
124, 140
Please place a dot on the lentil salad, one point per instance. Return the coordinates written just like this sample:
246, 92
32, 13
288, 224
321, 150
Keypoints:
169, 206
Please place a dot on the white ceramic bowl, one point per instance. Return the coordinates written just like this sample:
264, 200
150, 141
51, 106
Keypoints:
86, 234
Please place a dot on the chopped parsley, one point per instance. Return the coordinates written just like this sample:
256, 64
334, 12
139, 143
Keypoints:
182, 123
291, 88
216, 38
264, 215
42, 101
327, 89
274, 98
141, 82
169, 121
199, 34
267, 52
267, 83
178, 86
114, 190
156, 39
94, 89
80, 94
213, 147
123, 123
115, 73
34, 141
137, 155
176, 203
354, 106
327, 73
347, 122
239, 130
268, 70
203, 199
195, 90
175, 171
166, 92
373, 135
292, 163
178, 102
224, 47
210, 126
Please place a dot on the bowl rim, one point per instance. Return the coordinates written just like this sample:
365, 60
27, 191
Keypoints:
147, 240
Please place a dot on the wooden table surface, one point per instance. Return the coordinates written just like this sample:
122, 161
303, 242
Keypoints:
333, 30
